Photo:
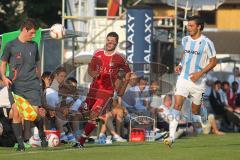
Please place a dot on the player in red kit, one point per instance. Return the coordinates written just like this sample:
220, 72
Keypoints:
104, 68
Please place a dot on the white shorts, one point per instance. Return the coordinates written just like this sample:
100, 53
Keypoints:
187, 87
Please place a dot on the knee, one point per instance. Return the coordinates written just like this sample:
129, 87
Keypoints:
15, 112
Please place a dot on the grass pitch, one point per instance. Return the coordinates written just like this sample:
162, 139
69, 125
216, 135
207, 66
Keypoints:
202, 147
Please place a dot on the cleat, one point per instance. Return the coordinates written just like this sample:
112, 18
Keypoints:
168, 142
20, 148
117, 138
78, 145
102, 139
71, 138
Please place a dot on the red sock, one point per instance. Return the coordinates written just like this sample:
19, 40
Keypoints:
89, 127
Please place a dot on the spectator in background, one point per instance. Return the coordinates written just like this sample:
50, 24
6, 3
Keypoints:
231, 96
59, 76
235, 77
136, 99
116, 114
156, 99
220, 106
46, 80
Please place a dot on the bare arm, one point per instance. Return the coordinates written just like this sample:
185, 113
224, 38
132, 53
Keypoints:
178, 68
210, 66
212, 63
6, 81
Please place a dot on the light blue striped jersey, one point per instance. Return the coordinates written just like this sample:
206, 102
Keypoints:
196, 54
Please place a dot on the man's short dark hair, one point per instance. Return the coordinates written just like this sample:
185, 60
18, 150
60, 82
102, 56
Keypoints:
29, 24
198, 20
72, 79
113, 34
217, 82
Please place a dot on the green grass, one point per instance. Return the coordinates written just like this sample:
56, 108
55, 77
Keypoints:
203, 147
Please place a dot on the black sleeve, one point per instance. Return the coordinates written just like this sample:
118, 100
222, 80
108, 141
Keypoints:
6, 53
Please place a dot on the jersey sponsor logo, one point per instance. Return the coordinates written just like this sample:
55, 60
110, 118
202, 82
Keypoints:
191, 52
18, 55
102, 69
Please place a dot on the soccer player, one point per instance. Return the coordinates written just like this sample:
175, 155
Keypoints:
24, 79
104, 68
198, 58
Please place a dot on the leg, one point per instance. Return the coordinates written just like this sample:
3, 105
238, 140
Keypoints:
176, 115
91, 124
27, 130
196, 106
196, 109
39, 123
119, 121
173, 123
17, 127
214, 127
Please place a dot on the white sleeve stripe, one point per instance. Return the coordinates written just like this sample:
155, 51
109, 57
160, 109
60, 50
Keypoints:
211, 48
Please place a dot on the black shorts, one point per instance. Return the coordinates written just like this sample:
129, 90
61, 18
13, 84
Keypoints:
32, 95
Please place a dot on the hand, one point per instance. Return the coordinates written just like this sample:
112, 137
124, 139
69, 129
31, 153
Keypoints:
128, 76
195, 76
178, 69
65, 112
7, 82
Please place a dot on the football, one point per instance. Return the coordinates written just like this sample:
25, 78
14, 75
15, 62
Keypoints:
53, 140
57, 31
35, 142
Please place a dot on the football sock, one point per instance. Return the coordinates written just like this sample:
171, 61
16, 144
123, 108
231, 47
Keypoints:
174, 123
17, 129
27, 130
89, 127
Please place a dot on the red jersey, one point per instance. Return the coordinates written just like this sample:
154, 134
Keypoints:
108, 67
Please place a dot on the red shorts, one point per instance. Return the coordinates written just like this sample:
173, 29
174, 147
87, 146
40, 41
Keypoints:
97, 101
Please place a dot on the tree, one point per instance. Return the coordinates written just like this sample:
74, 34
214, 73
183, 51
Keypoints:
10, 14
46, 12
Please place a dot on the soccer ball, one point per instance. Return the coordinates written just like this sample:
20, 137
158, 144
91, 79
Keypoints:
57, 31
35, 142
53, 140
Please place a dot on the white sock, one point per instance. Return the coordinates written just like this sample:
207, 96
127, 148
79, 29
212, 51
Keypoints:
173, 123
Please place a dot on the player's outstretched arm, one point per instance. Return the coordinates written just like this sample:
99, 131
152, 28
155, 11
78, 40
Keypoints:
6, 81
178, 68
